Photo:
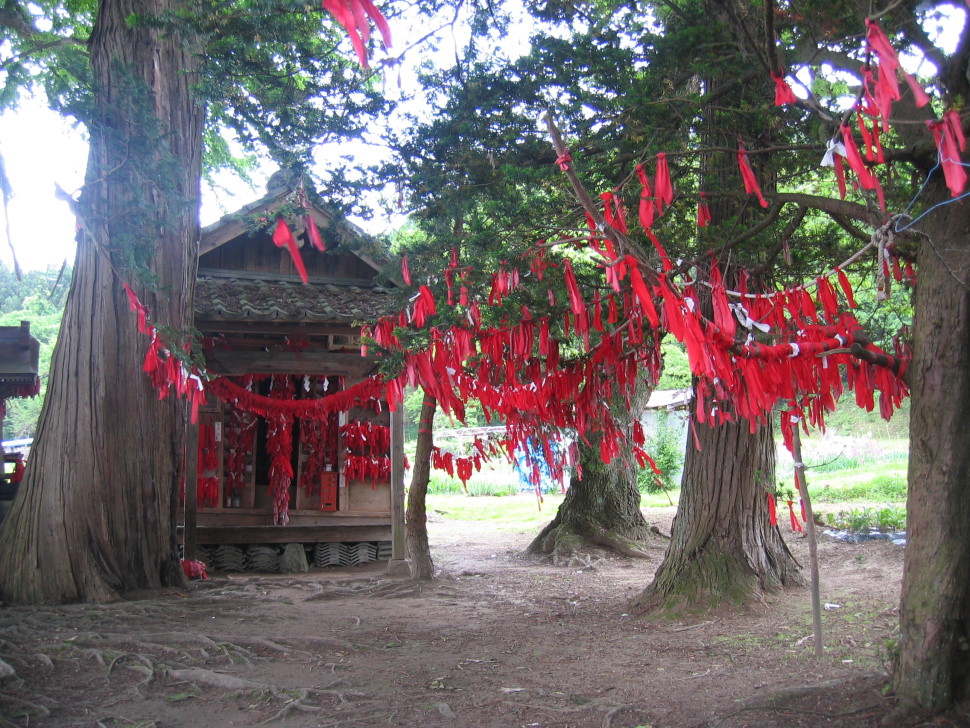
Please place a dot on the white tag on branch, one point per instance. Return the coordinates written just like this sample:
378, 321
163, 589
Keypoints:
832, 148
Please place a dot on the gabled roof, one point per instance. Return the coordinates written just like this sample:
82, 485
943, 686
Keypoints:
232, 292
232, 226
670, 399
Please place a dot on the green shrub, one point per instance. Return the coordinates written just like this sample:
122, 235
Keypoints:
667, 452
862, 520
491, 488
484, 483
441, 484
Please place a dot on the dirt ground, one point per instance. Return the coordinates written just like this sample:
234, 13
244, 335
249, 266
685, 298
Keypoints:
500, 639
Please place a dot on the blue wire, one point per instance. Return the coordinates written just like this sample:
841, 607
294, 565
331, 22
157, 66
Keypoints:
938, 204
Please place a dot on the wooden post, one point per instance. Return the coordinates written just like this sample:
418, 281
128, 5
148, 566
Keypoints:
191, 492
398, 565
812, 542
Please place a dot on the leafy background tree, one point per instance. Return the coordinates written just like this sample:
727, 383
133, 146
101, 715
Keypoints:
37, 297
696, 65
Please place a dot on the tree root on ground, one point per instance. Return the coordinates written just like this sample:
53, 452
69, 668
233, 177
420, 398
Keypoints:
42, 711
568, 546
202, 676
389, 589
299, 703
168, 659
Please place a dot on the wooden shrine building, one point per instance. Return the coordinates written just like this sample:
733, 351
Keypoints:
19, 359
266, 477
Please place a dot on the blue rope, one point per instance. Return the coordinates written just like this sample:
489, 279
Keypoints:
905, 213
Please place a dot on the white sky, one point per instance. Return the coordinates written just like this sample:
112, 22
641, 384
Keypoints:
40, 149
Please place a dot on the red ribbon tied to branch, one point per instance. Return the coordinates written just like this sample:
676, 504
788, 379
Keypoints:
646, 199
796, 525
283, 237
663, 188
313, 232
138, 307
889, 64
405, 270
353, 15
783, 93
747, 175
948, 134
703, 212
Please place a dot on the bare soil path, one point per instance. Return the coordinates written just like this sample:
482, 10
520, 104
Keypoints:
500, 639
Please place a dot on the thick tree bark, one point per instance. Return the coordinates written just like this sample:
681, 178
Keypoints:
933, 668
601, 508
722, 546
95, 514
416, 517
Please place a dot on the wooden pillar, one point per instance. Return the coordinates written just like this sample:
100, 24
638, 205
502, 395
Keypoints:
398, 565
191, 492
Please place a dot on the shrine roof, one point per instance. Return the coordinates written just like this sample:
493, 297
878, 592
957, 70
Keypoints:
235, 298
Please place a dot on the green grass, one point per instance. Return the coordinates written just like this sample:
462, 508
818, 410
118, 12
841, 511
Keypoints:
490, 481
872, 472
519, 512
874, 484
865, 470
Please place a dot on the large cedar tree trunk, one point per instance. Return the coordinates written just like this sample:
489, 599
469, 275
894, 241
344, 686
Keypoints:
416, 517
933, 668
95, 514
602, 506
722, 546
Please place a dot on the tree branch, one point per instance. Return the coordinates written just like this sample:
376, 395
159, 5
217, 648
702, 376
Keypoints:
583, 197
830, 205
15, 18
855, 232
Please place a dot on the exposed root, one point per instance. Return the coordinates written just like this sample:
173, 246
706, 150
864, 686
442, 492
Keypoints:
611, 713
622, 546
269, 645
299, 703
293, 706
96, 655
183, 638
382, 590
234, 654
212, 679
563, 543
41, 710
148, 672
144, 661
